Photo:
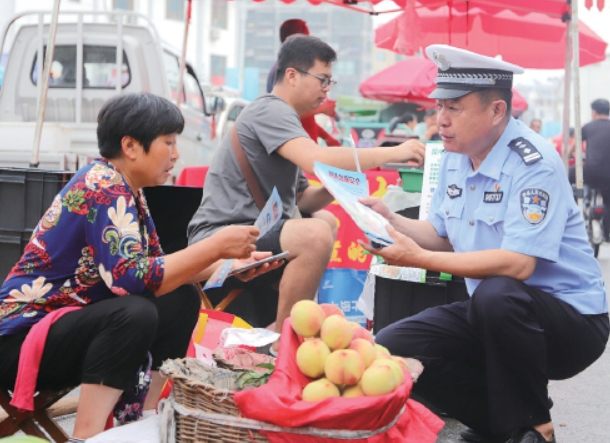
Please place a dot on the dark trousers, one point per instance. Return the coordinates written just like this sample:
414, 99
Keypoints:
106, 342
487, 361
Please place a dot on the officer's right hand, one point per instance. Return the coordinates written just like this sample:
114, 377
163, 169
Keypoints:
236, 241
411, 150
378, 206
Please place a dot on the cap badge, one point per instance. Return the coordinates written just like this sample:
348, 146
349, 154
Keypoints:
441, 61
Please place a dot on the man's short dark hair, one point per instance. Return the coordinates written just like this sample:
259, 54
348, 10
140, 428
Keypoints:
601, 106
486, 96
143, 116
301, 52
291, 27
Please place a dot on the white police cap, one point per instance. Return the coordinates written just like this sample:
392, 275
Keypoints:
461, 72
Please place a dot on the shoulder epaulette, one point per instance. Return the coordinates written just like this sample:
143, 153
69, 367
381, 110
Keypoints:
528, 152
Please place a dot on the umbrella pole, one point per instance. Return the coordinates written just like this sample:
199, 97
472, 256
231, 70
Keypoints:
577, 126
42, 99
567, 81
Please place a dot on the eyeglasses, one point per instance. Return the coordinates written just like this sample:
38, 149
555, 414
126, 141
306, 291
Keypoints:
326, 82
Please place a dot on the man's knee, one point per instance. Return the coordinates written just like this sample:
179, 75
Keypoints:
493, 295
307, 236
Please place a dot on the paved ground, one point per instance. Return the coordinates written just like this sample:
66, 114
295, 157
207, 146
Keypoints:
582, 404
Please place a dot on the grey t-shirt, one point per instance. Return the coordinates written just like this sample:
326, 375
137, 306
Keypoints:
263, 126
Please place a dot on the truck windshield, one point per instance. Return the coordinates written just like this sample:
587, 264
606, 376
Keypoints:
99, 67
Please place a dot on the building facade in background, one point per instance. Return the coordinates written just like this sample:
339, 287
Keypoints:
350, 33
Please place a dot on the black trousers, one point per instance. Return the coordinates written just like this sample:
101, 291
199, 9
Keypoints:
106, 342
488, 360
257, 304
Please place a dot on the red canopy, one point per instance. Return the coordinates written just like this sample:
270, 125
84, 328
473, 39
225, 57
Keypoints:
412, 80
533, 40
553, 8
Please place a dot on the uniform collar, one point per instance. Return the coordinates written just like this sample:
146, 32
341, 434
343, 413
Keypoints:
494, 162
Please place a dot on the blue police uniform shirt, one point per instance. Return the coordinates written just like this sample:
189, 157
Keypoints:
529, 209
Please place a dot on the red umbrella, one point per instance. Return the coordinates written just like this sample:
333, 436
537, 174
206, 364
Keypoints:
553, 8
412, 80
533, 40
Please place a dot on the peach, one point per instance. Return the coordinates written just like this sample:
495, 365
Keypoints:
381, 348
311, 357
306, 317
365, 349
319, 390
336, 332
353, 392
360, 332
402, 363
400, 376
378, 380
344, 367
330, 309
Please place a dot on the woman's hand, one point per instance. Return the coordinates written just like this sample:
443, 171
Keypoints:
404, 251
259, 270
236, 241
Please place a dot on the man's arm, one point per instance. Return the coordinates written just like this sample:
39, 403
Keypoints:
313, 199
477, 264
303, 152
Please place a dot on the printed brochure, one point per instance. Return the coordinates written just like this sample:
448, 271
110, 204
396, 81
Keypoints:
348, 187
269, 216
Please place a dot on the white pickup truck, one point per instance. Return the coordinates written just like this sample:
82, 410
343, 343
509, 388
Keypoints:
85, 72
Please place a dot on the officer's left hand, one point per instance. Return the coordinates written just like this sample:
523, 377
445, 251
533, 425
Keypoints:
404, 251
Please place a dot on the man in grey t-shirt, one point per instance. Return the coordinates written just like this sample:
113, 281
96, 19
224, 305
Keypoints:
276, 146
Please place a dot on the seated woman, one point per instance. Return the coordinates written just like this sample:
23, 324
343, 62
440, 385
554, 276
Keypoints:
96, 248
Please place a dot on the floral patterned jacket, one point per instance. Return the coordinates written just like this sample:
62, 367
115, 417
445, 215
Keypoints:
96, 241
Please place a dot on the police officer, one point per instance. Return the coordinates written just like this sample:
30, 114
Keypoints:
502, 216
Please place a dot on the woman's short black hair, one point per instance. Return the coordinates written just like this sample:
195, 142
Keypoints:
301, 52
143, 116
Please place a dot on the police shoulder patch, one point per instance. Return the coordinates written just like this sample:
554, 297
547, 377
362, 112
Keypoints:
534, 204
526, 150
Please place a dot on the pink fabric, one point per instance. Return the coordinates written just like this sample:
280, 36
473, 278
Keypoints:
412, 80
30, 357
533, 40
279, 402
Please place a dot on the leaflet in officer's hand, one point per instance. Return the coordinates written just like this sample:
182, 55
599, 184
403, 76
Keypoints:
269, 216
348, 187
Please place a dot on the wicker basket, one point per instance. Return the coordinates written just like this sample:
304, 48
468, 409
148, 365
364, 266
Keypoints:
203, 410
203, 388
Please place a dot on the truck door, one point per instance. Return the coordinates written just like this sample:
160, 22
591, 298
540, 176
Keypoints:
195, 143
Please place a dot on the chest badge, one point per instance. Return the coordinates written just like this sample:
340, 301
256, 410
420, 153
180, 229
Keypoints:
534, 205
493, 197
453, 191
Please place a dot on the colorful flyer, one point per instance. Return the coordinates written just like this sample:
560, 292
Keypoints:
348, 187
269, 216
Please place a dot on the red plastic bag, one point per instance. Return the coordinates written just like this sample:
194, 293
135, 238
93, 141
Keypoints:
279, 402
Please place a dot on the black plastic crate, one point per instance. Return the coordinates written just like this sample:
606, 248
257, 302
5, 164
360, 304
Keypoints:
11, 249
397, 299
26, 194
